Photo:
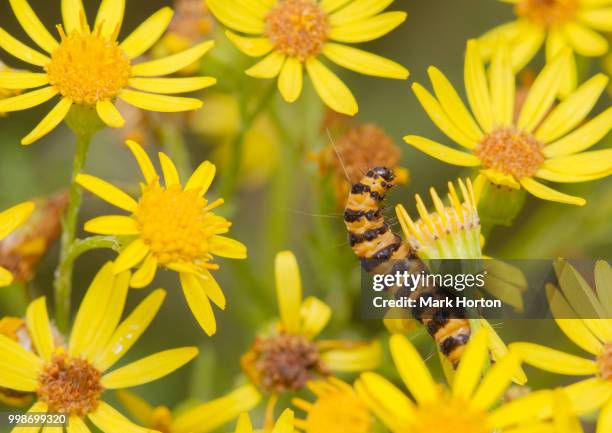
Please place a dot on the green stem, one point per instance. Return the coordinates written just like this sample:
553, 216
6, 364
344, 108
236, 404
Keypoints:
230, 179
63, 274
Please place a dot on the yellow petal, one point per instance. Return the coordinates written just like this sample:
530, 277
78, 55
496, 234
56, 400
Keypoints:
472, 361
71, 14
526, 47
143, 160
603, 283
522, 410
244, 424
37, 320
147, 33
598, 19
160, 103
358, 10
107, 192
331, 5
576, 331
572, 111
441, 152
290, 79
145, 273
554, 360
172, 85
91, 311
202, 177
583, 137
15, 216
109, 114
502, 86
288, 291
385, 400
285, 422
361, 357
453, 106
6, 278
49, 122
109, 420
110, 16
555, 176
254, 47
269, 67
130, 330
315, 315
198, 303
235, 18
582, 164
604, 423
38, 407
27, 100
19, 368
495, 382
22, 80
546, 193
136, 407
170, 64
112, 225
133, 254
76, 425
21, 51
32, 25
437, 115
476, 87
226, 247
213, 414
499, 350
171, 176
331, 89
149, 369
584, 40
367, 29
212, 288
588, 395
413, 370
98, 336
364, 62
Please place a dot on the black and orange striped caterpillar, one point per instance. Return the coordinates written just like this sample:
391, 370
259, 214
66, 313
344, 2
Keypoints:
382, 251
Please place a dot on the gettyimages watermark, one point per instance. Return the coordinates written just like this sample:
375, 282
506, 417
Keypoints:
486, 288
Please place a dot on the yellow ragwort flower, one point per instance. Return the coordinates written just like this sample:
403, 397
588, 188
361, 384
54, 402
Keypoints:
284, 424
544, 142
289, 357
201, 418
170, 226
593, 335
472, 405
337, 408
293, 34
89, 67
72, 379
11, 219
557, 24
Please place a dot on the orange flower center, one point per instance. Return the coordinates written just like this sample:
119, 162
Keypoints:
283, 362
605, 361
297, 28
511, 151
449, 414
175, 224
70, 385
87, 67
547, 12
